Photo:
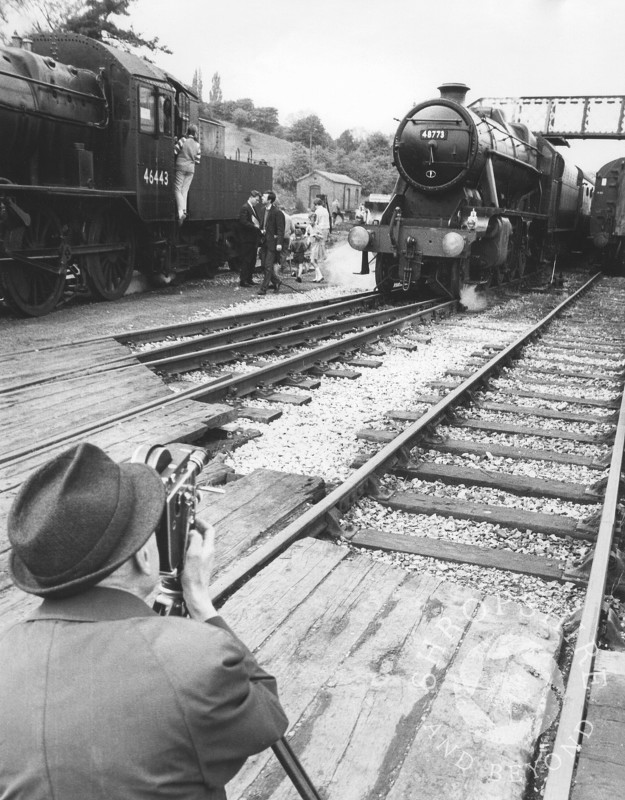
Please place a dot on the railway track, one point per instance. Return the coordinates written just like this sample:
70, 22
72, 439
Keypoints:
248, 339
597, 367
412, 469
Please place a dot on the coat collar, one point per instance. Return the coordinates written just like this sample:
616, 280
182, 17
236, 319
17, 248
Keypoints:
93, 605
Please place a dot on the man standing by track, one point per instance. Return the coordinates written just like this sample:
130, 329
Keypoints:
101, 698
248, 235
271, 242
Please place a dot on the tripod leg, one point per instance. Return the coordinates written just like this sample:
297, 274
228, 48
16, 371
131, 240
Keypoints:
293, 768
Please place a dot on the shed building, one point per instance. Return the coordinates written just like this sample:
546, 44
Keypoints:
335, 186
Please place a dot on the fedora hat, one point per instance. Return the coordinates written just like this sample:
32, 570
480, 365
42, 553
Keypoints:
79, 517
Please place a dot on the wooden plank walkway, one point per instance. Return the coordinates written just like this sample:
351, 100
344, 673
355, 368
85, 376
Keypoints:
397, 686
47, 407
601, 766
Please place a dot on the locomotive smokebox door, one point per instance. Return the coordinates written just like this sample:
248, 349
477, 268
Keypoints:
155, 151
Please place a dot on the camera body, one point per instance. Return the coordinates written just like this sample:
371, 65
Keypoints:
178, 466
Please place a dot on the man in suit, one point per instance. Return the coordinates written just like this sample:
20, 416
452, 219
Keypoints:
248, 236
271, 243
100, 697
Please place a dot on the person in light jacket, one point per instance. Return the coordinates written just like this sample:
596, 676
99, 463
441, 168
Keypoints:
187, 152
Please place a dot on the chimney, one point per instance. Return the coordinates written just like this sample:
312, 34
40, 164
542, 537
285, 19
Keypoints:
16, 41
454, 91
27, 44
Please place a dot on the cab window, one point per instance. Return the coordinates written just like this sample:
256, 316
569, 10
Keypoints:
164, 114
147, 115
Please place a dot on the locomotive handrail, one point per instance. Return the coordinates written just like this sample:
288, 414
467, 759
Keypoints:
10, 188
35, 113
489, 123
505, 157
391, 231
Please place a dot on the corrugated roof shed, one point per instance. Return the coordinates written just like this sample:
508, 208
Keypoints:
331, 176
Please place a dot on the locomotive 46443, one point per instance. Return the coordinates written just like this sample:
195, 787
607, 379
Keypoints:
87, 174
477, 201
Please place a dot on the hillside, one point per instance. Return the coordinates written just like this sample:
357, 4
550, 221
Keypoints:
263, 147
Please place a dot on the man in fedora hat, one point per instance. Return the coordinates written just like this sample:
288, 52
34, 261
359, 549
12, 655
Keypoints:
99, 696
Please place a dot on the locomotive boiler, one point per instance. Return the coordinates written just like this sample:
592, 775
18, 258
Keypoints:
477, 200
607, 216
87, 174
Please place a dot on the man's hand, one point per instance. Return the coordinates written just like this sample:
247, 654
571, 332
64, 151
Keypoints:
198, 567
278, 247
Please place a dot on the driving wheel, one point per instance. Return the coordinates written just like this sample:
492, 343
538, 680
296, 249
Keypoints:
109, 272
29, 290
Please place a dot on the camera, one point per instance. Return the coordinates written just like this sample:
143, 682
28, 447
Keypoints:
178, 466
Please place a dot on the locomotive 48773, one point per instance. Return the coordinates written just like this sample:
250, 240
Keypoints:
87, 174
476, 201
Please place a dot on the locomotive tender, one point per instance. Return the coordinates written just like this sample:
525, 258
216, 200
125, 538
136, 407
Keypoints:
477, 200
607, 215
87, 174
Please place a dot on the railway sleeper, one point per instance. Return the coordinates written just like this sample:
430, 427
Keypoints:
525, 373
504, 516
513, 484
505, 408
493, 426
549, 569
463, 447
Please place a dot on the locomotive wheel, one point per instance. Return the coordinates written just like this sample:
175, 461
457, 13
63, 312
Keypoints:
384, 280
30, 291
109, 273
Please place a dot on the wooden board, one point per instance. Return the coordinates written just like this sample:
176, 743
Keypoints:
461, 446
552, 524
558, 398
525, 430
515, 484
548, 413
254, 507
43, 364
259, 414
612, 378
397, 686
288, 399
445, 550
601, 767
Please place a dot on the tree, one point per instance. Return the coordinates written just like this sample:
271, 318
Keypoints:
294, 167
88, 17
265, 119
245, 103
241, 117
346, 142
309, 131
215, 95
196, 84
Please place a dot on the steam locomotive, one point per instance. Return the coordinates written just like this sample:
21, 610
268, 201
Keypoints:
478, 200
87, 174
607, 216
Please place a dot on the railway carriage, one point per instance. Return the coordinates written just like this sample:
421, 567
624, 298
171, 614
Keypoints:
87, 174
477, 200
607, 216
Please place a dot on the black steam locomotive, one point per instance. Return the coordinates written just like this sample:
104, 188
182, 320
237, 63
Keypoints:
607, 216
477, 200
87, 174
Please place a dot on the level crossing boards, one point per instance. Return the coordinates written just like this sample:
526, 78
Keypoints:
397, 685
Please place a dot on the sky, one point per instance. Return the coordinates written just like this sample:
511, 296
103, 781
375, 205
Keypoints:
363, 64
